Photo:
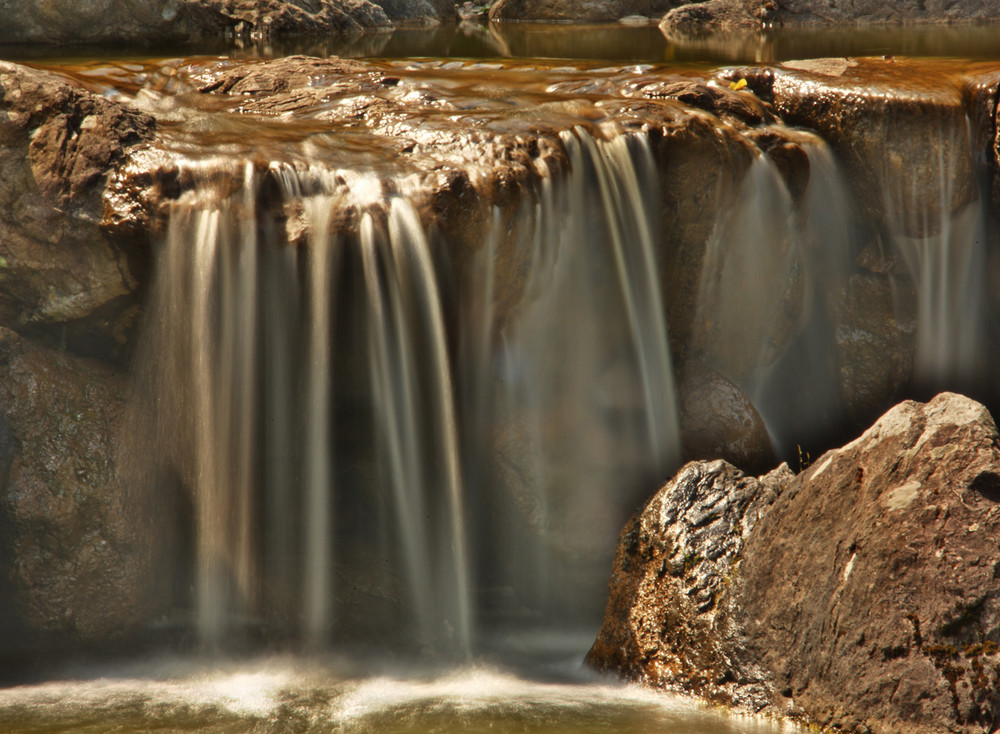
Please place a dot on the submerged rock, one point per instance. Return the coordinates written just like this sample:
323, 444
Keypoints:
718, 420
866, 598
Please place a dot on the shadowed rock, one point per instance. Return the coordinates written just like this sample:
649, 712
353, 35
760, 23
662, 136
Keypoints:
77, 543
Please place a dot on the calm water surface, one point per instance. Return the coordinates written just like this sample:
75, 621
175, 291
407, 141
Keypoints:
609, 42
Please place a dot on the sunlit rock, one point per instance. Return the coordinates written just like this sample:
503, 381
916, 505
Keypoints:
63, 277
865, 597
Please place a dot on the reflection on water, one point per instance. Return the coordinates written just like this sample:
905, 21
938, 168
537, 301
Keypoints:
607, 42
285, 694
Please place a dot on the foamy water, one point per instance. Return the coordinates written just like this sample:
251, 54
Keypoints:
291, 694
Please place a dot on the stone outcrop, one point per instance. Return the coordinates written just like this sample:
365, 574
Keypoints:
714, 16
675, 562
580, 11
149, 21
692, 19
63, 277
866, 598
77, 544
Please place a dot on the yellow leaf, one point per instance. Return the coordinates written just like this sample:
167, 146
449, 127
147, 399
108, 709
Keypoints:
736, 86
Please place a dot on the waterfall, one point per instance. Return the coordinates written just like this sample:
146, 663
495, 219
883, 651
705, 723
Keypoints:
773, 276
336, 424
943, 246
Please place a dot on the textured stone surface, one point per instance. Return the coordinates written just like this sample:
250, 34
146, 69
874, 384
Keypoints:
62, 277
76, 541
702, 18
718, 420
76, 21
676, 559
866, 598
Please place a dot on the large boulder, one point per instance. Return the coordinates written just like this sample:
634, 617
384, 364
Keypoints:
77, 540
665, 624
714, 16
77, 21
866, 599
62, 276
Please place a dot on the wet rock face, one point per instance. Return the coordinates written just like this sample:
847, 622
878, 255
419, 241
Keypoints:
587, 11
76, 544
73, 21
675, 561
866, 597
718, 420
62, 278
905, 149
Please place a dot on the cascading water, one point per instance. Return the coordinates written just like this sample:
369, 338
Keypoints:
342, 465
943, 248
773, 273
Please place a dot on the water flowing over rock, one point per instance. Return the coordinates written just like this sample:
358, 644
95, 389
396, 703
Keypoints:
865, 598
401, 315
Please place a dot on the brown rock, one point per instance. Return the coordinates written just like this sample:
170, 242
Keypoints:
876, 339
62, 277
718, 421
77, 541
713, 16
866, 599
904, 145
675, 561
419, 12
871, 589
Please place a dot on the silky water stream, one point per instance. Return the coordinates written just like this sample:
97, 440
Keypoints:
402, 428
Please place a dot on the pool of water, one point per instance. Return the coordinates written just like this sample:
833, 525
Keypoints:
286, 694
